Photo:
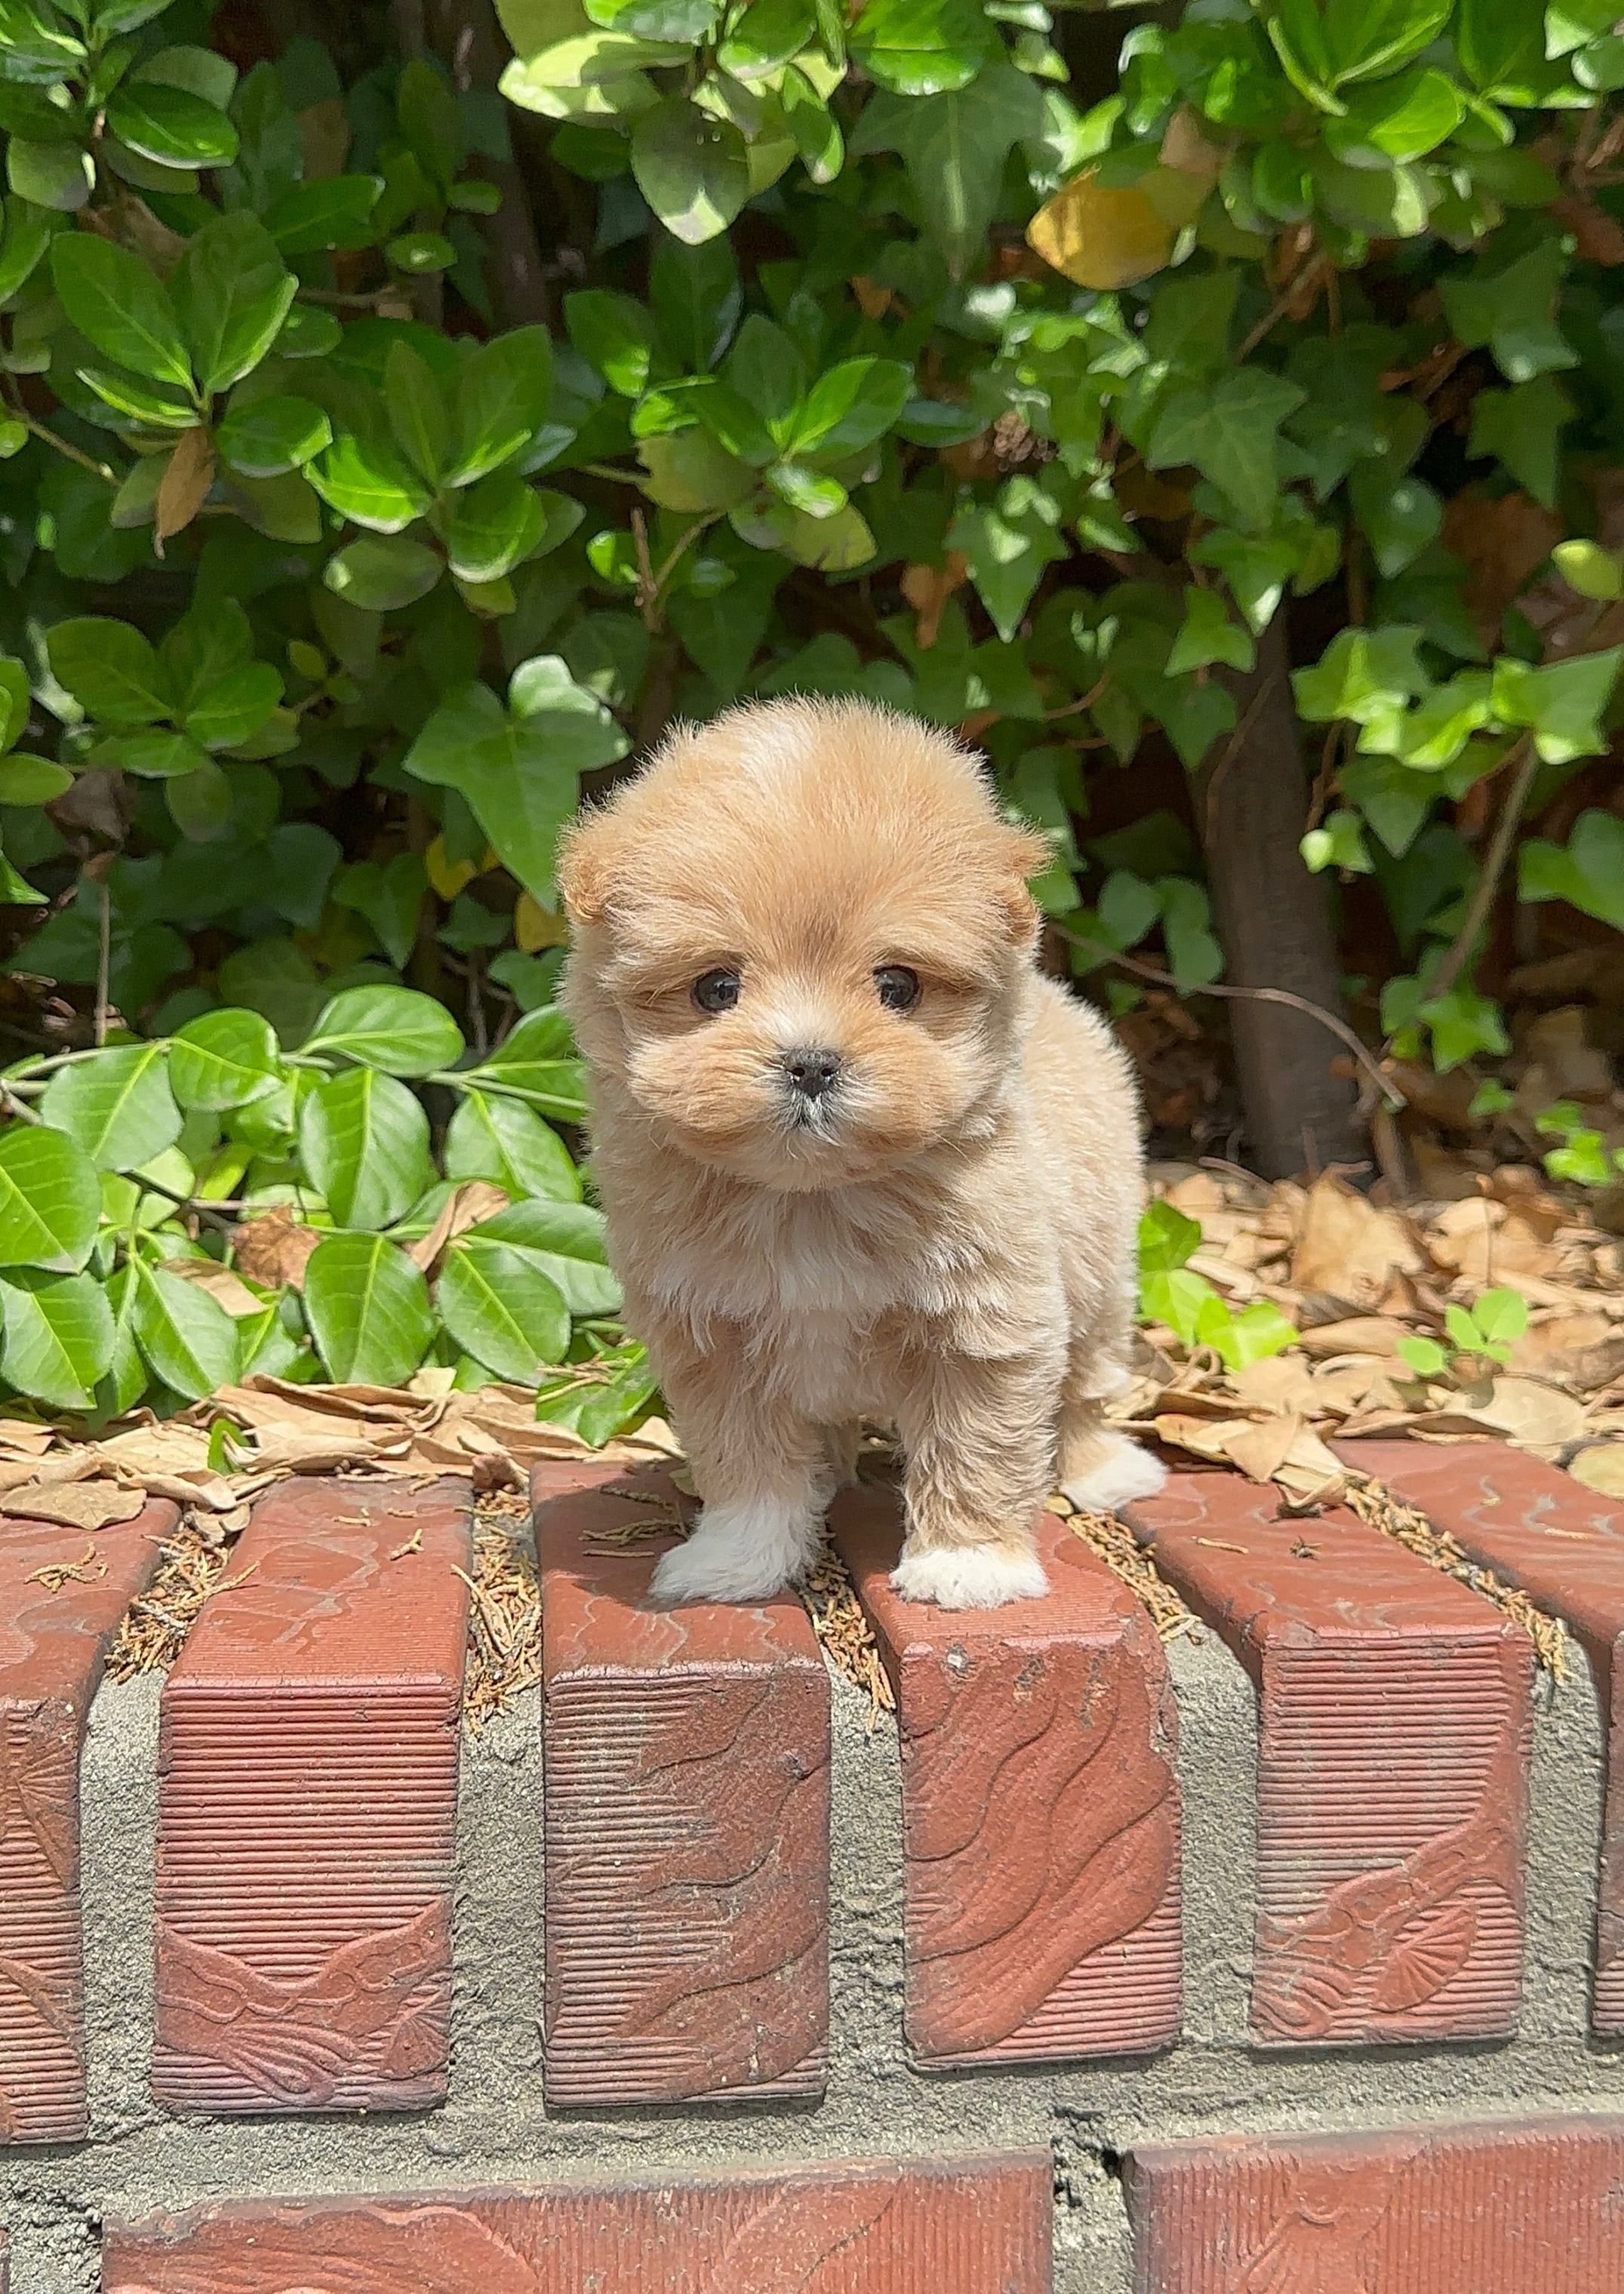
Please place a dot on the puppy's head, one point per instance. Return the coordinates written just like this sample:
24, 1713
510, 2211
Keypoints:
799, 936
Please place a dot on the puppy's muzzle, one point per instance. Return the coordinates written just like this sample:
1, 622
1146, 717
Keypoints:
811, 1072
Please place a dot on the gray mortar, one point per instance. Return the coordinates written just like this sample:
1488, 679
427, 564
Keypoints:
495, 2128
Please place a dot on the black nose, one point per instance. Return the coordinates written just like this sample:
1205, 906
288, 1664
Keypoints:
812, 1071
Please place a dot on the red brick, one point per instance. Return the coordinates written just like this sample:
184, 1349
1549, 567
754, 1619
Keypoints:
307, 1785
1040, 1808
1392, 1769
1538, 1528
1530, 2207
52, 1645
686, 1820
972, 2225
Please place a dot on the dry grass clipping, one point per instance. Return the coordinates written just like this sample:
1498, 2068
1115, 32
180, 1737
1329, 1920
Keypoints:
192, 1564
1376, 1504
1122, 1554
844, 1634
504, 1609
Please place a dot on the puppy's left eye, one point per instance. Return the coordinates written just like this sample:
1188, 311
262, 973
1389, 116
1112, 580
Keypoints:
899, 986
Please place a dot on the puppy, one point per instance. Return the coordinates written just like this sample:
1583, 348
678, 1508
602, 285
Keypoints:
858, 1158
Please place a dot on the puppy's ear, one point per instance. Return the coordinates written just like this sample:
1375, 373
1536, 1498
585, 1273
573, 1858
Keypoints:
583, 868
1025, 854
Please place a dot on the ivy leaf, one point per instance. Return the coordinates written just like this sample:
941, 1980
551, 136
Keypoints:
1166, 1238
389, 894
1008, 547
501, 1305
120, 305
368, 1308
922, 47
1513, 313
1520, 427
1399, 515
49, 1199
1208, 636
1587, 873
1230, 434
954, 146
363, 1138
59, 1337
692, 169
118, 1105
1563, 702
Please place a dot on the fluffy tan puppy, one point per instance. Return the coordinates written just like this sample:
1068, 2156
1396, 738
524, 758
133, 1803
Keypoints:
858, 1158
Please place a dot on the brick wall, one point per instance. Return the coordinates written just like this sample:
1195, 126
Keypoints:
1281, 1959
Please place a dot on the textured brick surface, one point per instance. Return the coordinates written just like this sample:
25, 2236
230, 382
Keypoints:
55, 1633
1538, 1528
686, 1820
974, 2226
1039, 1805
1392, 1768
306, 1800
1535, 2206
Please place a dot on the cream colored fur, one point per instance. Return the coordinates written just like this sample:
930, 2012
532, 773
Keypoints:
945, 1240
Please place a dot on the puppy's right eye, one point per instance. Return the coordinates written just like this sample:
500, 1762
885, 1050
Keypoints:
717, 991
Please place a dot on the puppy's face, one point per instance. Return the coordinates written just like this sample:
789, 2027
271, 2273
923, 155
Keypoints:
799, 937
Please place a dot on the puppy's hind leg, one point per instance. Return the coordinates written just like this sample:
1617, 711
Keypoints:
762, 1473
1101, 1469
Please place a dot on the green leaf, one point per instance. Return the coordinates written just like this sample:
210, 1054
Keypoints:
363, 1138
31, 780
954, 148
537, 1062
1366, 39
520, 771
1501, 1317
154, 756
693, 170
188, 1339
170, 125
567, 1240
236, 706
492, 527
419, 415
501, 1303
1207, 635
1425, 1356
59, 1337
1463, 1023
599, 1407
697, 299
1590, 570
1399, 515
1166, 1237
269, 436
394, 1029
16, 702
768, 34
49, 1199
25, 239
368, 1309
118, 305
111, 669
616, 335
117, 1104
224, 1059
1240, 1340
1399, 120
1362, 674
366, 481
1175, 1298
335, 213
142, 403
58, 177
389, 894
1229, 433
1514, 314
499, 1139
850, 406
377, 573
922, 47
1520, 427
1587, 873
502, 397
1564, 702
1008, 547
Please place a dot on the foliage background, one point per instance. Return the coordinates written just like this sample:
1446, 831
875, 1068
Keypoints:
405, 415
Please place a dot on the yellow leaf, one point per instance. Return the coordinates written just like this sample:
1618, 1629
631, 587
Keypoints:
1109, 235
534, 929
449, 877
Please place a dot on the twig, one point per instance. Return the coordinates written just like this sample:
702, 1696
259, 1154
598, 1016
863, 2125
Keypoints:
648, 588
1339, 1027
1272, 318
681, 551
1461, 947
75, 454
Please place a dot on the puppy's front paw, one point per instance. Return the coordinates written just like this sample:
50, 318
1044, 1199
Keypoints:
969, 1576
738, 1553
1123, 1472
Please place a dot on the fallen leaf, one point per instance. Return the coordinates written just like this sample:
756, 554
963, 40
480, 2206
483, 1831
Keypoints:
1601, 1468
474, 1201
928, 588
1347, 1248
1581, 1350
274, 1251
76, 1505
222, 1285
1360, 1334
1261, 1450
1502, 542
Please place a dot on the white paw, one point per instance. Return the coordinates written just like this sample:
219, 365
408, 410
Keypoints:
969, 1576
738, 1553
1125, 1473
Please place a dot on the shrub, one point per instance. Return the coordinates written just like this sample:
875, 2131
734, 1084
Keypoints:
387, 457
